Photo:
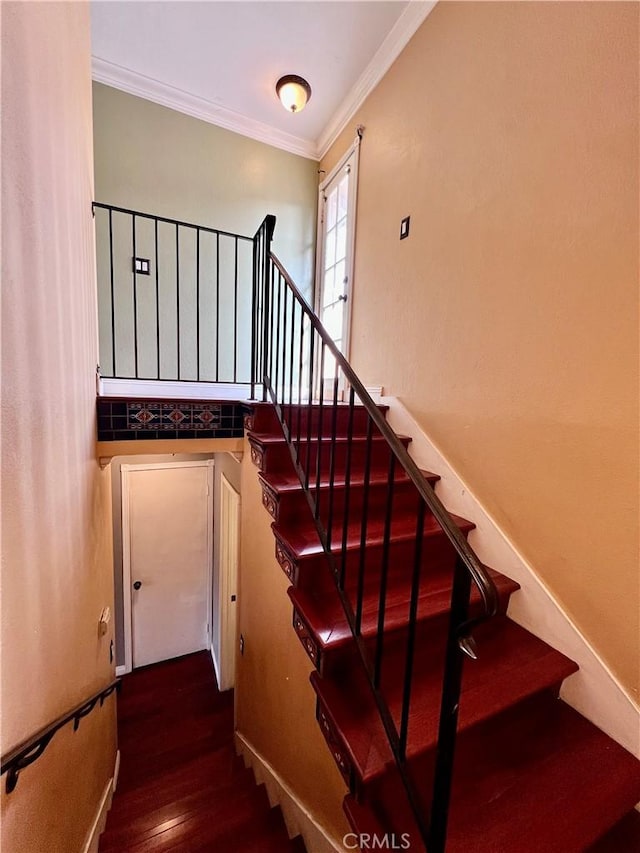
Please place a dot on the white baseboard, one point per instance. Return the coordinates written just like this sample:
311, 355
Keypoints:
116, 771
375, 391
100, 820
216, 665
155, 388
121, 670
297, 818
594, 690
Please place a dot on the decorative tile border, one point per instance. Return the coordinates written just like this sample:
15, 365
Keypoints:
178, 416
129, 419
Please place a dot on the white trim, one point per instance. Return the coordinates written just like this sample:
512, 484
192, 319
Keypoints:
229, 515
125, 470
154, 90
100, 820
353, 152
298, 819
126, 567
121, 670
116, 771
169, 390
594, 690
393, 45
216, 668
375, 392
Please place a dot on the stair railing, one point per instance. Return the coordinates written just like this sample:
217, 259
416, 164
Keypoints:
298, 364
30, 750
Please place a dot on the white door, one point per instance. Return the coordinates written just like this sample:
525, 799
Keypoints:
336, 234
167, 547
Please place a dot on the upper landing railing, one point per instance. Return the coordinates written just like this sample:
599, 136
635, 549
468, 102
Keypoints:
174, 298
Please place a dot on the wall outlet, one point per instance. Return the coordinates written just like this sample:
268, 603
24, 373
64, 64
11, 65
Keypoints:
404, 227
142, 266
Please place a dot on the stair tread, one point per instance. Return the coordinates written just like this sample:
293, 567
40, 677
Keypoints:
232, 827
286, 482
325, 617
140, 823
303, 541
556, 783
512, 664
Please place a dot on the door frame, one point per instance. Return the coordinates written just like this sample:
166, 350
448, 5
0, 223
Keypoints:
125, 471
353, 150
228, 586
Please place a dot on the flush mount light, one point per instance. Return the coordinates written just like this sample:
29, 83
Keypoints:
294, 92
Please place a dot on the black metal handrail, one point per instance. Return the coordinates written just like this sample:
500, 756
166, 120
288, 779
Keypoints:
185, 324
291, 352
30, 750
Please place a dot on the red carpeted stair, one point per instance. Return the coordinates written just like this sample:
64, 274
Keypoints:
531, 775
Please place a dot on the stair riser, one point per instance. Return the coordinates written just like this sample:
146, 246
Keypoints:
264, 419
276, 458
292, 506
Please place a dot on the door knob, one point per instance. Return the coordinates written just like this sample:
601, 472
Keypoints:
343, 297
137, 584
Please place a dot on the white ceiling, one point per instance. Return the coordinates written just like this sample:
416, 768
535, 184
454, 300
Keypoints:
220, 61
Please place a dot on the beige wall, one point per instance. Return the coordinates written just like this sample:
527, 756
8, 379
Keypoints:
275, 703
156, 160
56, 555
508, 321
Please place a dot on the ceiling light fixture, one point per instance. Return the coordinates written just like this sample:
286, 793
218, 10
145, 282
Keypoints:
294, 92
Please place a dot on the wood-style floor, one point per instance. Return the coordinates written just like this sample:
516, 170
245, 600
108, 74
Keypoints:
181, 785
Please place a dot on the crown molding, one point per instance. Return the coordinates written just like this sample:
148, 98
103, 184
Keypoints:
176, 99
413, 16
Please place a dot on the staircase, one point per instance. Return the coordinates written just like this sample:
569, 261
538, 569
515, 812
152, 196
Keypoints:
181, 786
530, 774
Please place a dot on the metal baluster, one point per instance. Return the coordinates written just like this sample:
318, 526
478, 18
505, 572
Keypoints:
278, 327
300, 367
254, 317
451, 684
309, 407
347, 489
267, 315
332, 453
363, 528
198, 303
384, 569
235, 311
217, 307
113, 303
135, 296
411, 631
274, 322
284, 341
178, 297
293, 338
155, 237
320, 430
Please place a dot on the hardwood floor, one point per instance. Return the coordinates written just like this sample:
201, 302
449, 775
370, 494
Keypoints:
181, 786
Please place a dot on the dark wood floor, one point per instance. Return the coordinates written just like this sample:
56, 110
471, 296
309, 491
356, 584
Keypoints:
181, 786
